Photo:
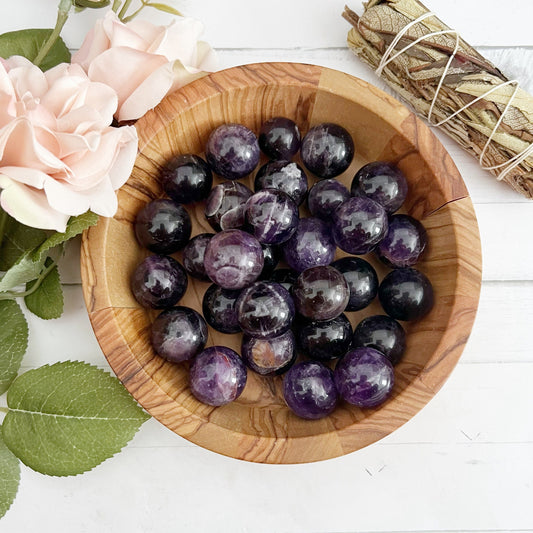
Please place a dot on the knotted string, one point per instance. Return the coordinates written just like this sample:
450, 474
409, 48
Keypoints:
387, 58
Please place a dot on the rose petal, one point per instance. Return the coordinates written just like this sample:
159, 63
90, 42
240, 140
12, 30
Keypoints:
134, 67
95, 42
30, 206
26, 77
25, 175
207, 58
180, 40
120, 35
125, 159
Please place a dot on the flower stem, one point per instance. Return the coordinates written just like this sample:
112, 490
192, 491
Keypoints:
3, 224
125, 7
62, 16
116, 5
11, 295
133, 15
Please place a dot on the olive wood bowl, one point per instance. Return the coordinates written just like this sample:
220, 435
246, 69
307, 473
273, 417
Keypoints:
258, 426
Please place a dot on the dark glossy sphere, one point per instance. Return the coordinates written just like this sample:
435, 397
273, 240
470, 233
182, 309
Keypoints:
279, 138
325, 197
269, 356
271, 257
193, 256
265, 310
309, 390
178, 334
323, 340
404, 243
163, 226
406, 294
218, 307
321, 293
217, 376
233, 259
285, 276
364, 377
382, 333
327, 150
158, 282
284, 175
187, 178
382, 182
362, 281
272, 215
232, 151
311, 245
358, 225
225, 206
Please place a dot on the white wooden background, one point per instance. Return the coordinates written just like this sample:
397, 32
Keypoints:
465, 463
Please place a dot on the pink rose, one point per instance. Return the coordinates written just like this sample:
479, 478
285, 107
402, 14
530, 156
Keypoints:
144, 62
59, 156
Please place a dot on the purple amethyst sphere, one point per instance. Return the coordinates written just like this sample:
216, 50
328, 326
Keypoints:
269, 356
321, 293
159, 281
233, 259
404, 243
232, 151
327, 150
178, 334
225, 205
364, 377
217, 376
382, 182
311, 245
325, 197
358, 225
272, 215
218, 307
279, 138
309, 390
286, 176
265, 309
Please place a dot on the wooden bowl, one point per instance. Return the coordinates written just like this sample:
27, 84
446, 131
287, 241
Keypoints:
258, 426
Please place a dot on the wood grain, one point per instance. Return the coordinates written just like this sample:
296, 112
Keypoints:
258, 426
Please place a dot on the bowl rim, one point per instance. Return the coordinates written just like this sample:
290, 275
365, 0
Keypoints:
455, 199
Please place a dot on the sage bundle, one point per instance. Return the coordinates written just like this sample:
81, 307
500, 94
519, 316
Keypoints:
450, 83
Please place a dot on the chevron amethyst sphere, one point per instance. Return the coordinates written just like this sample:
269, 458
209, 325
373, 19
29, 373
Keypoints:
193, 256
269, 356
364, 377
233, 259
272, 215
321, 293
382, 182
279, 138
224, 208
286, 176
358, 225
309, 390
232, 151
327, 150
217, 376
310, 245
325, 197
218, 307
265, 310
404, 242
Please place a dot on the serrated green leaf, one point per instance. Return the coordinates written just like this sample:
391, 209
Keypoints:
165, 8
75, 226
18, 239
28, 42
9, 477
24, 270
67, 418
47, 300
13, 341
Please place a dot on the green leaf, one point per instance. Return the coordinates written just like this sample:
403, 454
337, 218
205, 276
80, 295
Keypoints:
28, 42
13, 341
47, 300
9, 477
75, 226
67, 418
165, 8
24, 270
18, 238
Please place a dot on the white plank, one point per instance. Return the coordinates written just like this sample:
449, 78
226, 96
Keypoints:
423, 487
282, 24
